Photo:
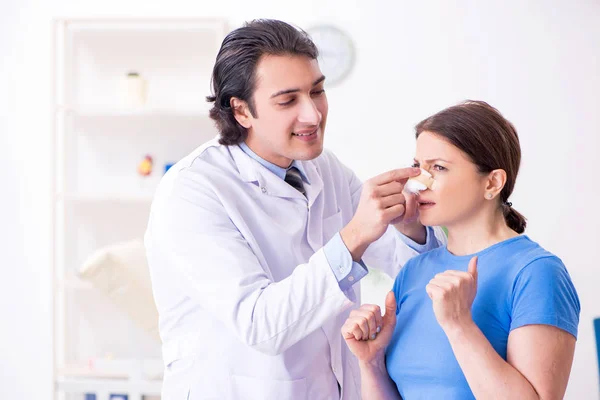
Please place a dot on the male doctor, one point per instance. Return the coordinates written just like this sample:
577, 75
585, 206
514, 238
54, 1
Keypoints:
256, 240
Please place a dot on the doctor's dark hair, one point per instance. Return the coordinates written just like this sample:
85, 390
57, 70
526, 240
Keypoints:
488, 139
234, 73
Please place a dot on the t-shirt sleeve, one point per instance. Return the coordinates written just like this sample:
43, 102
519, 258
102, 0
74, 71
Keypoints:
544, 294
397, 288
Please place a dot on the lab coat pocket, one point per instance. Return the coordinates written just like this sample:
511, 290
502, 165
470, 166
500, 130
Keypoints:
332, 225
178, 375
244, 388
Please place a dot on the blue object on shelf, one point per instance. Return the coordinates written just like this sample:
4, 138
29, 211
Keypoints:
92, 396
167, 166
597, 330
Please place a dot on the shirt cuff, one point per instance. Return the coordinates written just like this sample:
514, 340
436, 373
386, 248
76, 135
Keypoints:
430, 243
346, 271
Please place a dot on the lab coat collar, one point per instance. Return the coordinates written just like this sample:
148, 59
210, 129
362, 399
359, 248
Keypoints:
246, 166
252, 171
277, 170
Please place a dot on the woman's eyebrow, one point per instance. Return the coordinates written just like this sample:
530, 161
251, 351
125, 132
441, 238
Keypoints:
431, 160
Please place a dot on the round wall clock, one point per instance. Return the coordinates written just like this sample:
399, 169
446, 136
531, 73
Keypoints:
336, 52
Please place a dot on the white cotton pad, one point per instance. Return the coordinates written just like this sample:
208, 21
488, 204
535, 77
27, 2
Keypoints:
421, 182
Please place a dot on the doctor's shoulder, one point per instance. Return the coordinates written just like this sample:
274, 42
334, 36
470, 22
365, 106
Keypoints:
199, 172
329, 166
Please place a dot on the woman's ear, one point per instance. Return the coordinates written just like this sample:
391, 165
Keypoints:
241, 112
495, 183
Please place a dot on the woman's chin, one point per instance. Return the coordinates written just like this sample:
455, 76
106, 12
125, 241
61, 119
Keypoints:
428, 220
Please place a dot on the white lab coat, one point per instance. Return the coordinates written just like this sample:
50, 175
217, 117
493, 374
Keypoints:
243, 313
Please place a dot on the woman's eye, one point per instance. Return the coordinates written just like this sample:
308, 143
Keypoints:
439, 168
415, 165
318, 92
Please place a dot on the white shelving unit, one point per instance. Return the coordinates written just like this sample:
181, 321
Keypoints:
99, 197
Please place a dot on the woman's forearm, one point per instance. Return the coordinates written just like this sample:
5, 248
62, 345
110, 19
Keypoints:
376, 383
488, 375
414, 231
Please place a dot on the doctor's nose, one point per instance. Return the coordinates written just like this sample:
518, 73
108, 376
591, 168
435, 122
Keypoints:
309, 114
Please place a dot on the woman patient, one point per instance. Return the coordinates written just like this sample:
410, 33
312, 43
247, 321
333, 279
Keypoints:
493, 314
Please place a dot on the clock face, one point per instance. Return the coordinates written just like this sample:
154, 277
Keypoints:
336, 52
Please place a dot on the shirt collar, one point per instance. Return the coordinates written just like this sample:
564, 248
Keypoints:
277, 170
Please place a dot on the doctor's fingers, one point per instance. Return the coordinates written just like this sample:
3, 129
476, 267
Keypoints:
392, 200
401, 174
372, 313
388, 189
391, 213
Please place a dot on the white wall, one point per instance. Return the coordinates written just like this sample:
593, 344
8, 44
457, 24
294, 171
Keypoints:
537, 62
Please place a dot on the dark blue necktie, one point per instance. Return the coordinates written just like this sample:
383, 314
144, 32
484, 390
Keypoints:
294, 179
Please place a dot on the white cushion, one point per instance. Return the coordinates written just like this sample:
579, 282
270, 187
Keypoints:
121, 272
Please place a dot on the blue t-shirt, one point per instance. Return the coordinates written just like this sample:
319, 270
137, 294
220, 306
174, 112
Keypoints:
519, 283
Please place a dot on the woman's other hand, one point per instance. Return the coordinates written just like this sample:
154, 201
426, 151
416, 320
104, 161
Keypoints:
452, 294
367, 332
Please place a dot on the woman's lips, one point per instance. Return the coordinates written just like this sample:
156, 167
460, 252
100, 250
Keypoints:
425, 204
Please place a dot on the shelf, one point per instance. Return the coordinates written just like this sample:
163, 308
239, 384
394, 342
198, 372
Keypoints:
99, 197
86, 385
101, 26
89, 198
136, 113
73, 282
174, 59
150, 125
86, 373
121, 369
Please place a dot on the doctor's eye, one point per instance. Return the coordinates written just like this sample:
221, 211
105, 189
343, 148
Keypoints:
287, 103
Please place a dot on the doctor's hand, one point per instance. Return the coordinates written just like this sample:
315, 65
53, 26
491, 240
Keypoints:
381, 203
367, 333
452, 294
409, 224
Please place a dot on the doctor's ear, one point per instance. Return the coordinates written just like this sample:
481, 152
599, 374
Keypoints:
241, 112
